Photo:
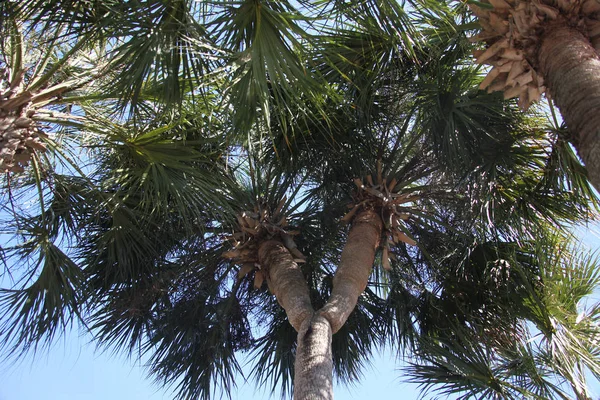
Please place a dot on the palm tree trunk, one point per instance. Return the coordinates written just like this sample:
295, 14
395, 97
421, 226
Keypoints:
571, 68
313, 368
286, 282
313, 377
352, 274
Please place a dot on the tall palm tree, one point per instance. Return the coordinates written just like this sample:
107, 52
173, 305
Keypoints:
537, 47
202, 204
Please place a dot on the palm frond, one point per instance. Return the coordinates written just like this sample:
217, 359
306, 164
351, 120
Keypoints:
49, 301
274, 354
161, 45
466, 370
192, 347
267, 43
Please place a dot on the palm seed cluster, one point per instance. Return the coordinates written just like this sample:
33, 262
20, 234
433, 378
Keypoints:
511, 30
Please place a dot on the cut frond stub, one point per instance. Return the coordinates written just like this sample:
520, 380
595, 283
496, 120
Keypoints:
254, 228
511, 31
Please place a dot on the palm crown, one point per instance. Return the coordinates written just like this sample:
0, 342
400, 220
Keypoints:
201, 163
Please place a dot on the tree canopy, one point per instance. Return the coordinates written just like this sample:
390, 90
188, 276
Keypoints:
154, 150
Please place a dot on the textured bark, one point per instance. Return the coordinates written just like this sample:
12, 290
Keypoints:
313, 377
571, 68
352, 274
286, 281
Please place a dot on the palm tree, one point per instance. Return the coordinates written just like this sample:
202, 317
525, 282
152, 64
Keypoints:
547, 47
201, 205
37, 70
556, 345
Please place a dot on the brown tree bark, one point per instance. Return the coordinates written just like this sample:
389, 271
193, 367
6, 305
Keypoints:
286, 282
352, 274
313, 379
313, 368
571, 69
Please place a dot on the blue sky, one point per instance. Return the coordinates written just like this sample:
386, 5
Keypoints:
72, 369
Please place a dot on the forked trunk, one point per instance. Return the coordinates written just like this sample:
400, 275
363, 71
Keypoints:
314, 365
571, 68
313, 379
